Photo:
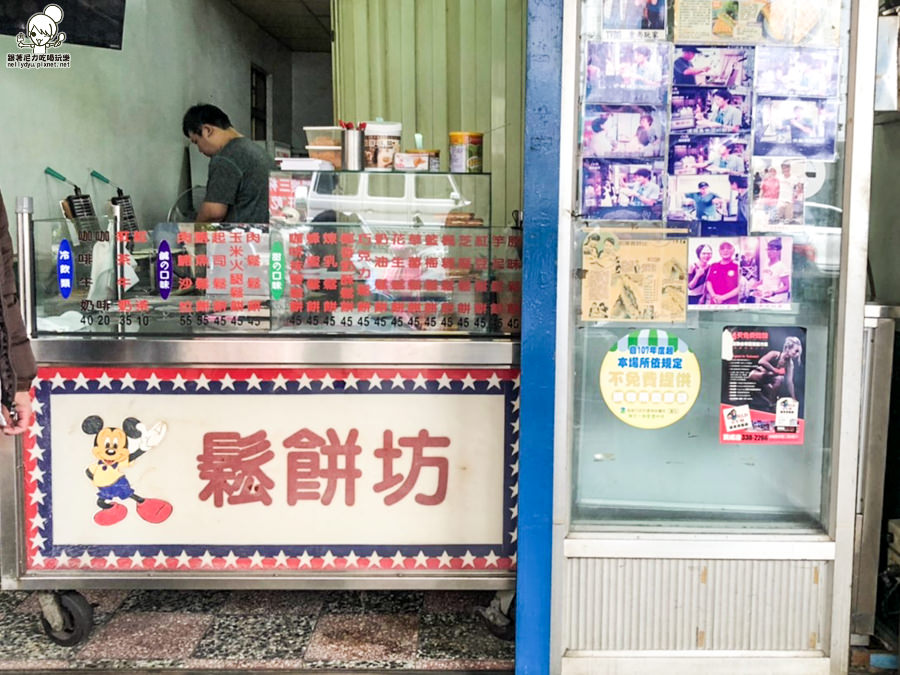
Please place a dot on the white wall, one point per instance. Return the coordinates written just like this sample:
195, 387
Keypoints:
119, 112
313, 95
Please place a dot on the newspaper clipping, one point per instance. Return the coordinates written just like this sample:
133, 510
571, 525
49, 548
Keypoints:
633, 280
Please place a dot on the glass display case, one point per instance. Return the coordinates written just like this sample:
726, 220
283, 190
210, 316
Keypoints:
345, 254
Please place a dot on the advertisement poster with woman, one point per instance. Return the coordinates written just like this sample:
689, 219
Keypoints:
763, 385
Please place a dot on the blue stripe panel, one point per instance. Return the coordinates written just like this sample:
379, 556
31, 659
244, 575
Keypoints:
542, 117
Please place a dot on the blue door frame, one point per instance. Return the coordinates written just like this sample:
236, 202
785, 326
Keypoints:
541, 207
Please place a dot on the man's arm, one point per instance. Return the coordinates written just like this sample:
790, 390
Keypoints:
212, 212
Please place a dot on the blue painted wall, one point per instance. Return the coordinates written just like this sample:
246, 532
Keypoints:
542, 118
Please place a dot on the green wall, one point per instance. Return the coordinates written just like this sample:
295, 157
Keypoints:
119, 111
438, 66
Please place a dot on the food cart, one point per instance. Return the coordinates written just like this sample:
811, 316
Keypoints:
328, 400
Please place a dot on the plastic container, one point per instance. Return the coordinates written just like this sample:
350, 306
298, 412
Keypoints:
382, 143
466, 151
317, 136
328, 153
418, 160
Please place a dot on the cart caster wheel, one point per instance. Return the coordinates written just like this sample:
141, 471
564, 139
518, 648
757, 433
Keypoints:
77, 616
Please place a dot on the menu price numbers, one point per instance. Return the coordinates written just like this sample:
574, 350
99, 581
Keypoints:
199, 319
108, 320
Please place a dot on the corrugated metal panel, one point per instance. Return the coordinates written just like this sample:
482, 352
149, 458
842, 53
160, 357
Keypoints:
646, 604
438, 66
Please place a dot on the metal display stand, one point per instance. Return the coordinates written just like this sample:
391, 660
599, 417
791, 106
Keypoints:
377, 463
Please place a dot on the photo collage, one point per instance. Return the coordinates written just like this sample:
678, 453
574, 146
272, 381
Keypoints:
718, 146
705, 140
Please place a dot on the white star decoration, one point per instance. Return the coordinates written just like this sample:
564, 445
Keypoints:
350, 382
398, 559
279, 383
184, 560
37, 541
62, 560
397, 382
231, 559
36, 429
127, 381
445, 560
444, 382
420, 382
513, 535
206, 560
468, 382
104, 381
493, 381
421, 559
304, 382
305, 559
81, 382
37, 475
328, 559
256, 560
281, 559
112, 560
153, 382
58, 382
515, 404
351, 560
38, 559
160, 560
137, 560
178, 382
468, 560
37, 497
84, 560
253, 382
374, 560
374, 381
37, 406
517, 381
36, 452
38, 521
227, 382
514, 467
491, 559
327, 382
202, 382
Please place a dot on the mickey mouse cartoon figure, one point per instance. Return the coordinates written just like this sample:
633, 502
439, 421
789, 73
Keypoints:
113, 458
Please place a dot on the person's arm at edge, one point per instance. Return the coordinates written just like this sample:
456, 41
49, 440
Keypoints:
212, 212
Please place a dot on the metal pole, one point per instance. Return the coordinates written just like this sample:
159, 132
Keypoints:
25, 221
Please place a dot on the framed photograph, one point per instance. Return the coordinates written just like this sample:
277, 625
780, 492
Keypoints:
733, 272
622, 189
795, 127
722, 67
779, 191
695, 155
648, 15
627, 72
699, 110
716, 206
788, 71
623, 131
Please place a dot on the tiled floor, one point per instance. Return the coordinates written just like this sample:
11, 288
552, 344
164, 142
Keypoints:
271, 630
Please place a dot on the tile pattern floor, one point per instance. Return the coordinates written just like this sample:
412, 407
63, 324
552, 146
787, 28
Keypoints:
271, 630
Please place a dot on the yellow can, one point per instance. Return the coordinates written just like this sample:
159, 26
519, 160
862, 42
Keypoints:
466, 151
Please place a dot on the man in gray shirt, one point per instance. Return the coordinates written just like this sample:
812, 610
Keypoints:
237, 189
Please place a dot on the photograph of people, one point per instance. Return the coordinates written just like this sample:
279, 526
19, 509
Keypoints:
707, 204
774, 286
723, 278
723, 67
622, 189
696, 110
708, 155
749, 264
780, 186
697, 273
634, 14
739, 205
627, 72
775, 373
622, 131
787, 71
795, 126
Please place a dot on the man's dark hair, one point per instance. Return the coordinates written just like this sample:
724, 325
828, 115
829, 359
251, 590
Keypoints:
203, 113
643, 172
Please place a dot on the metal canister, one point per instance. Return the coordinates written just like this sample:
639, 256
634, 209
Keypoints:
466, 151
352, 150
